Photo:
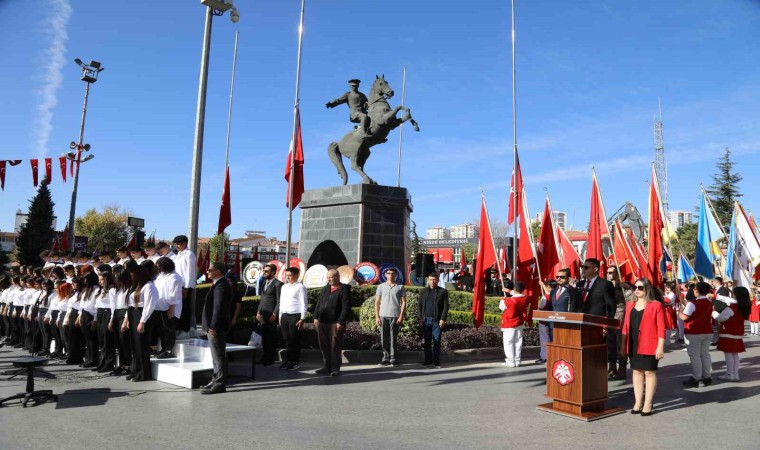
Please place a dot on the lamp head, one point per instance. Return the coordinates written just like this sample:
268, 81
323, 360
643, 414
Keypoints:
234, 15
79, 62
87, 158
71, 155
73, 145
86, 147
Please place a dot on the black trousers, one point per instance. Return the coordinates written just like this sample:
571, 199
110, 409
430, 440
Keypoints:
292, 336
269, 338
55, 332
45, 331
76, 342
18, 325
156, 327
122, 339
140, 367
90, 337
105, 340
184, 319
168, 334
63, 331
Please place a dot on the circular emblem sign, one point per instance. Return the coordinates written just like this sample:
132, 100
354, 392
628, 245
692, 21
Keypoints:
563, 372
346, 274
252, 272
399, 273
366, 273
315, 277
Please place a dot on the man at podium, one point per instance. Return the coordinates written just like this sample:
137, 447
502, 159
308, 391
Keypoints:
597, 294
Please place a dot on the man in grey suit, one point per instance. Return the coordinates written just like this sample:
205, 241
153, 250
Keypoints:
216, 323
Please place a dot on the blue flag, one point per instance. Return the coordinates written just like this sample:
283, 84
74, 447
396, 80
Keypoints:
666, 258
685, 272
708, 235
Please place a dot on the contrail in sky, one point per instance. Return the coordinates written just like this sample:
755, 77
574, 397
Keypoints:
54, 26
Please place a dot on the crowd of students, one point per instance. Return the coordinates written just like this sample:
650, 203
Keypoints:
85, 311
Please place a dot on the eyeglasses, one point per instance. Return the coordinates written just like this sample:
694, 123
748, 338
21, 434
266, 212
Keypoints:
587, 267
610, 273
640, 288
561, 277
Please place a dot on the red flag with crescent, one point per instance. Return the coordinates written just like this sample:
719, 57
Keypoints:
2, 175
49, 169
35, 164
62, 163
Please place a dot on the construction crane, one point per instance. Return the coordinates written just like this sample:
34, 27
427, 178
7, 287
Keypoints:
630, 215
660, 165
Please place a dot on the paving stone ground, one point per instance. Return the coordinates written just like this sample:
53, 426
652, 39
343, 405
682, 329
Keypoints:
482, 405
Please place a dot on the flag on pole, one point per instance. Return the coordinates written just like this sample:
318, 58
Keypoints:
708, 235
297, 188
685, 271
597, 228
34, 163
503, 259
484, 259
639, 252
570, 257
515, 191
2, 175
199, 260
225, 210
627, 265
548, 249
62, 165
655, 228
743, 249
49, 169
527, 264
462, 260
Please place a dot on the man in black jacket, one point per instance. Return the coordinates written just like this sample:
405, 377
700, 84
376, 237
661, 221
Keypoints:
216, 323
269, 310
597, 295
433, 310
330, 315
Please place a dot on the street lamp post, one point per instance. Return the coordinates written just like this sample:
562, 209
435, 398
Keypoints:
89, 75
213, 8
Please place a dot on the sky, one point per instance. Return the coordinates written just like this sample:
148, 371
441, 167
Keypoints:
589, 75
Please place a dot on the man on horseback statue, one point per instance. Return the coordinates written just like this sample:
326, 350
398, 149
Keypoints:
357, 105
376, 119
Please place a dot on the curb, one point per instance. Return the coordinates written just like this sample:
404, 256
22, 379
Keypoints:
416, 357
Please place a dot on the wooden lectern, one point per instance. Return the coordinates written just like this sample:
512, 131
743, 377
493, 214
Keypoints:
576, 365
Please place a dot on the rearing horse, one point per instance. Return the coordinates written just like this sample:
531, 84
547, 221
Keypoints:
355, 146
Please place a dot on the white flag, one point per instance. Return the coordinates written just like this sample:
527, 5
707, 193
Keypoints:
744, 249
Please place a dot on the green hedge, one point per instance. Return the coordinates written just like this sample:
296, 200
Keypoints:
465, 317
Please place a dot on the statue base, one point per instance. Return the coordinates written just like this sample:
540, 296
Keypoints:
355, 223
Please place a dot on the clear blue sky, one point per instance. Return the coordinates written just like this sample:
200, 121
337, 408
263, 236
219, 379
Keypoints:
589, 75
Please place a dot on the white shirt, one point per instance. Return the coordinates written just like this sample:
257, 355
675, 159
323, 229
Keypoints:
148, 300
88, 303
139, 260
690, 307
119, 300
169, 287
184, 264
171, 255
105, 298
293, 299
55, 303
154, 258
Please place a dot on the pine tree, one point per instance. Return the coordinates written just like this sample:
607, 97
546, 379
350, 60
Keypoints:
36, 234
725, 190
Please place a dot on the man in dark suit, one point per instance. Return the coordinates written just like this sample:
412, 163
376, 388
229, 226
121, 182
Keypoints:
269, 310
562, 298
597, 295
433, 310
216, 323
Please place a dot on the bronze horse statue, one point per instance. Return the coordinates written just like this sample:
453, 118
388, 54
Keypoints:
355, 145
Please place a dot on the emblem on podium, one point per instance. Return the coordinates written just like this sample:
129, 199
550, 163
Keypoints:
563, 372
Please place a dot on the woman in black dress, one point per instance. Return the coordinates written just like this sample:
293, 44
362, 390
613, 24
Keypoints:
644, 335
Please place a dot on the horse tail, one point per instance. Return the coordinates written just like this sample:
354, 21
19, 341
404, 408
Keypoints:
333, 151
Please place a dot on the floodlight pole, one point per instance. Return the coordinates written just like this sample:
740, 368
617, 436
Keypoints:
76, 162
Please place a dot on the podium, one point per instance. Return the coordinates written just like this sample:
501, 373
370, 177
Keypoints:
576, 365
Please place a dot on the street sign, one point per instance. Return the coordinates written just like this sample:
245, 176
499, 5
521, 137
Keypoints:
136, 222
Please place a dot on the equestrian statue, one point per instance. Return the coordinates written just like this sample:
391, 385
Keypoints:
375, 118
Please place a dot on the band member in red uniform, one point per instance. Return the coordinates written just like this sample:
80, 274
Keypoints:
731, 321
644, 335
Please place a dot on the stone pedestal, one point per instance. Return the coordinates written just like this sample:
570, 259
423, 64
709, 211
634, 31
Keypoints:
355, 223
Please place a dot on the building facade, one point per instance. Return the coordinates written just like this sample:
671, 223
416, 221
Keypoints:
678, 219
438, 232
464, 231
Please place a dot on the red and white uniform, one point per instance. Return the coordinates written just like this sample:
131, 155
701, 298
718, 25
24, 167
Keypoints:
731, 329
670, 303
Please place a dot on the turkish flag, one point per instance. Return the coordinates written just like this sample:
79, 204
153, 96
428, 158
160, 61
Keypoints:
62, 164
656, 224
485, 258
49, 169
527, 263
641, 255
296, 189
570, 257
628, 265
2, 175
35, 164
71, 167
515, 192
225, 211
199, 260
14, 162
548, 251
597, 226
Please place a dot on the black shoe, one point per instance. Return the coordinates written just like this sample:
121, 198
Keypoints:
635, 411
384, 363
138, 379
89, 365
43, 353
217, 388
106, 369
540, 361
707, 381
294, 366
208, 386
165, 355
646, 414
691, 382
323, 371
335, 372
284, 366
117, 372
129, 377
395, 363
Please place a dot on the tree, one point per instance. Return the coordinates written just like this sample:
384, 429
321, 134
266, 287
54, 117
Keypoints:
37, 233
535, 230
469, 252
215, 243
725, 190
105, 230
4, 259
687, 241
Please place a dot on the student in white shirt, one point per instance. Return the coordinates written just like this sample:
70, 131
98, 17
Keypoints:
103, 307
185, 265
119, 320
164, 250
137, 254
150, 251
169, 284
46, 332
142, 301
76, 347
293, 302
88, 319
65, 292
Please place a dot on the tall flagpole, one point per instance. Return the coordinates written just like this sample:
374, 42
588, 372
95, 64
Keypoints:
293, 135
229, 127
401, 130
514, 142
